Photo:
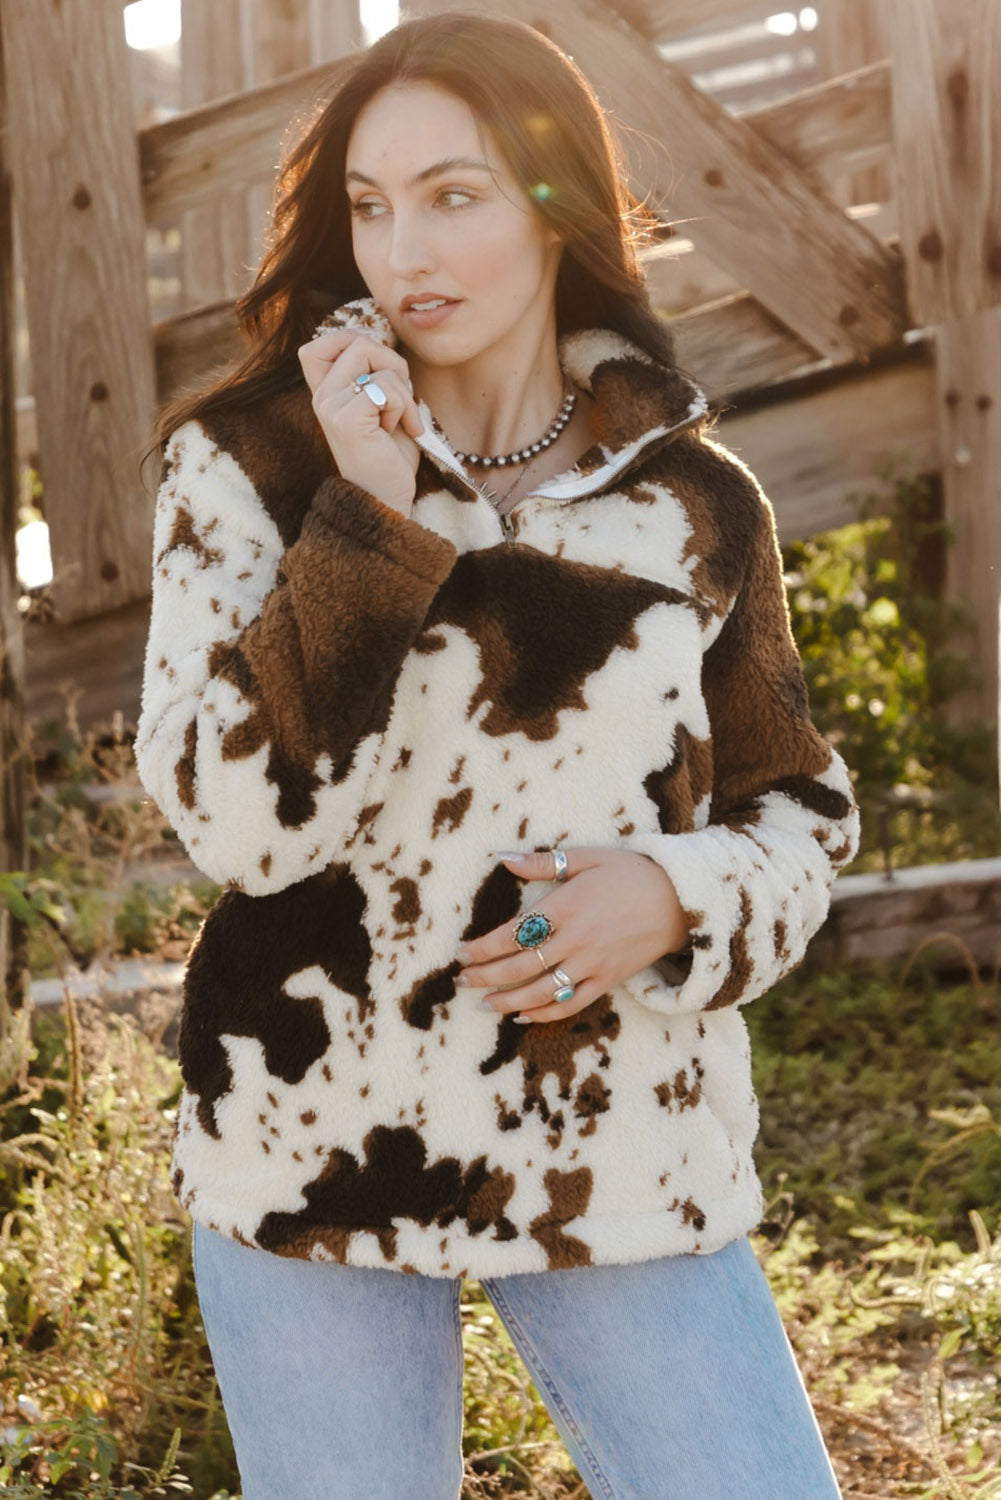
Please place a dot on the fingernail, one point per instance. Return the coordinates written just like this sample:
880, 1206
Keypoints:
510, 854
463, 955
523, 1020
487, 1005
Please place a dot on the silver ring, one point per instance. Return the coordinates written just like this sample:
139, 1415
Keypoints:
539, 955
564, 986
560, 860
372, 389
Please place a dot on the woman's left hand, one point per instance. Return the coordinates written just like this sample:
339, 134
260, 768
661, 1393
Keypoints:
616, 912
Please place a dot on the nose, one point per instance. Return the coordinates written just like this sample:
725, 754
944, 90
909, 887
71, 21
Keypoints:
409, 251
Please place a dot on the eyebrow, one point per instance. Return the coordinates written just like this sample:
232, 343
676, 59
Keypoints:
447, 164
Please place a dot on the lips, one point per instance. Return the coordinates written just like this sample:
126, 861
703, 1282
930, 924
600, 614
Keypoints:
427, 301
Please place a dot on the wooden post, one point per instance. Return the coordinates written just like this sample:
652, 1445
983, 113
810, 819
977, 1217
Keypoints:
216, 239
74, 162
287, 35
853, 37
13, 826
335, 28
947, 118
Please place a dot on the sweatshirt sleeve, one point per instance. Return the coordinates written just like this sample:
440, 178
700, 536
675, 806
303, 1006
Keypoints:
269, 672
755, 882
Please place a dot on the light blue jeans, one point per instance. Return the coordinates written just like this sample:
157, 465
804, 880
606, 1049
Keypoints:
668, 1379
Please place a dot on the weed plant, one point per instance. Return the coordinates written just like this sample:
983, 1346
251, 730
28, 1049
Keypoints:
886, 657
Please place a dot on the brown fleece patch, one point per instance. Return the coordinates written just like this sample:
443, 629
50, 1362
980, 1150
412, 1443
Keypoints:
682, 1091
542, 626
183, 533
552, 1049
392, 1181
723, 509
279, 444
593, 1099
184, 770
691, 1213
754, 690
450, 811
779, 936
569, 1196
319, 664
407, 906
632, 396
497, 900
418, 1006
741, 967
677, 788
247, 948
814, 795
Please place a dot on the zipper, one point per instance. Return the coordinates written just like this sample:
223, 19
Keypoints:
440, 456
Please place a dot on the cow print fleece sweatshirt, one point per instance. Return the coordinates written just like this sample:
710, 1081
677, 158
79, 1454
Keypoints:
347, 712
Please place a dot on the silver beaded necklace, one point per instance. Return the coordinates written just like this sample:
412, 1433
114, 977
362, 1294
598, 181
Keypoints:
524, 455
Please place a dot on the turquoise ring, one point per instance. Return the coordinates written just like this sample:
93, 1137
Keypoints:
564, 986
365, 385
533, 929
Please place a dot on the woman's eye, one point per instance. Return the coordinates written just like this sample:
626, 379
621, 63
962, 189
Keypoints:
366, 208
457, 197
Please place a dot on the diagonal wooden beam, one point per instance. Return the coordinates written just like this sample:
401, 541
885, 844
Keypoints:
750, 208
187, 161
834, 128
660, 20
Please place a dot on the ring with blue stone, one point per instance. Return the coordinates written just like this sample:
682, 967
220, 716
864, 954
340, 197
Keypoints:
564, 986
533, 928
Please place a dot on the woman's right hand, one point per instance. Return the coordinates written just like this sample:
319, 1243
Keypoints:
372, 446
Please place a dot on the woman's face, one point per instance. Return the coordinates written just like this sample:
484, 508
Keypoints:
449, 245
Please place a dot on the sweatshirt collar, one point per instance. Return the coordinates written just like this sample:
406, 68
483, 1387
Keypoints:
637, 399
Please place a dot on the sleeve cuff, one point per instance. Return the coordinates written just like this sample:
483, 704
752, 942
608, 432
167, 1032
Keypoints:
357, 514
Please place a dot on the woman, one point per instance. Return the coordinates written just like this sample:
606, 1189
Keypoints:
470, 678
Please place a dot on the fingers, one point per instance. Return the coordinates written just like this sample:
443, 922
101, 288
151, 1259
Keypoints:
340, 408
539, 864
335, 358
535, 1001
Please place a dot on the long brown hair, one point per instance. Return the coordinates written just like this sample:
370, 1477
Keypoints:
547, 121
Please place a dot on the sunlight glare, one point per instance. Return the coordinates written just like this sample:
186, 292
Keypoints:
153, 23
378, 17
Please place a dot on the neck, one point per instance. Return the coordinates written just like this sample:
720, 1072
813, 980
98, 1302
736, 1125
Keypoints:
496, 403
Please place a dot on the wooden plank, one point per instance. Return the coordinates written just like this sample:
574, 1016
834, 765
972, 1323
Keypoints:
947, 120
734, 346
13, 769
189, 346
844, 125
753, 211
659, 20
188, 160
969, 425
75, 169
682, 277
101, 658
811, 450
216, 236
